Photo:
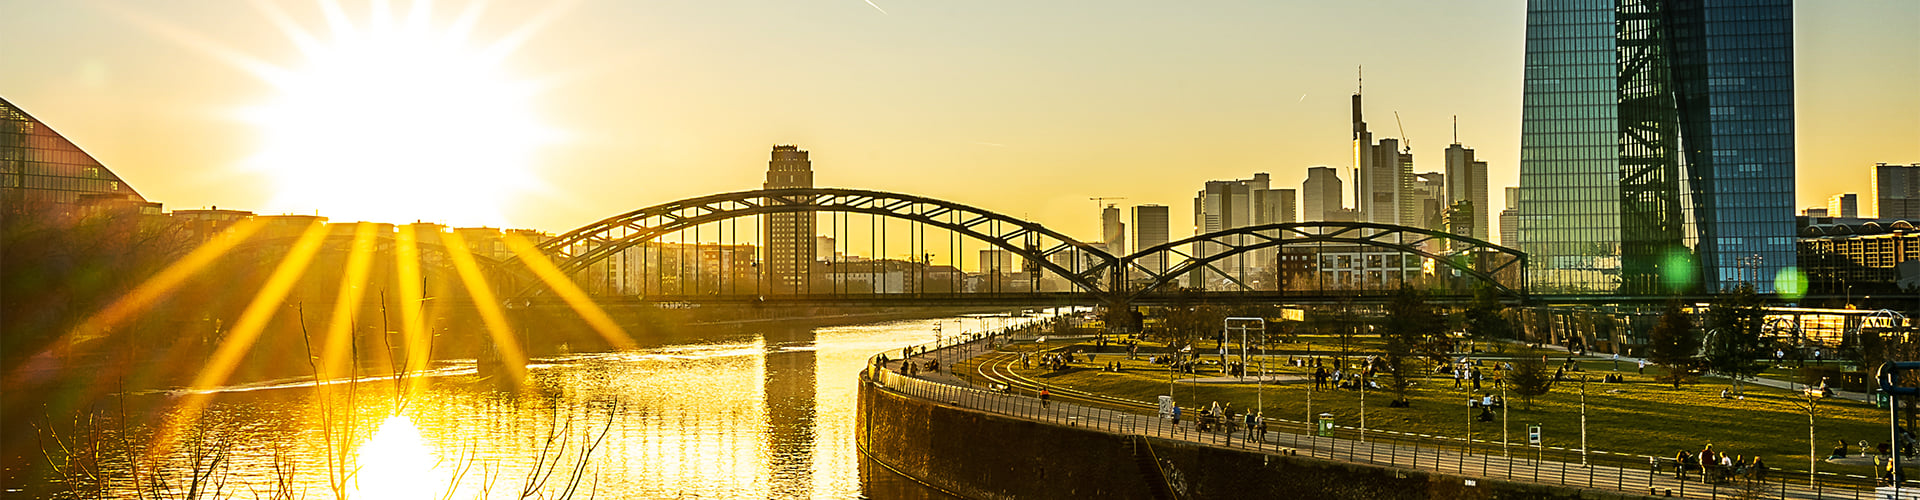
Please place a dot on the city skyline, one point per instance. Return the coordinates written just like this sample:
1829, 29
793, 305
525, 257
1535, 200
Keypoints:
154, 96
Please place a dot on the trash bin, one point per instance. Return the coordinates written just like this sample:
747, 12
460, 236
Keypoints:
1325, 424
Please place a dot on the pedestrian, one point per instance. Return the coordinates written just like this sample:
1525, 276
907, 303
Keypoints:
1643, 367
1044, 395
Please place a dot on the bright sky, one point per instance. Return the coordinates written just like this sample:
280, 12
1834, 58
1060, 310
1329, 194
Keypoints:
593, 108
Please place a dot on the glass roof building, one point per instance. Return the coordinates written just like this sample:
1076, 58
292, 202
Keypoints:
1657, 145
44, 173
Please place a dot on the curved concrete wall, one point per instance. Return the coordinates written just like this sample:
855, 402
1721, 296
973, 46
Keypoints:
984, 455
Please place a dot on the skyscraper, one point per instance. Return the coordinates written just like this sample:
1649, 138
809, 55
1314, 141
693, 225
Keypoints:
1896, 191
1428, 200
790, 243
1234, 204
1467, 181
1113, 231
1386, 176
1150, 227
1320, 194
1657, 144
1510, 219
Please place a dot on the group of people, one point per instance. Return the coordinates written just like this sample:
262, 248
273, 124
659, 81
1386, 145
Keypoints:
1718, 466
1322, 379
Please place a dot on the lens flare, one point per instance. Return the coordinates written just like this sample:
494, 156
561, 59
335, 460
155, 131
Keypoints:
397, 463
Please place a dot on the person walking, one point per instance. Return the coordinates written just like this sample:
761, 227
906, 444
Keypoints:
1044, 395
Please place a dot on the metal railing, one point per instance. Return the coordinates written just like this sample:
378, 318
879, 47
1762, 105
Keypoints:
1470, 459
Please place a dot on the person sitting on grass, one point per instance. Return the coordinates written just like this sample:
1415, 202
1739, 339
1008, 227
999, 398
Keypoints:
1839, 451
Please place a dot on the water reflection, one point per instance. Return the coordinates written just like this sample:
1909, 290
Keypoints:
746, 415
788, 379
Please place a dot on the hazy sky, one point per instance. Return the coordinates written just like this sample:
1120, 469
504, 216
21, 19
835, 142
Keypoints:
1026, 108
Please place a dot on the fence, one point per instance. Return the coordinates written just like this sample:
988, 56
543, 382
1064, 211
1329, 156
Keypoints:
1477, 458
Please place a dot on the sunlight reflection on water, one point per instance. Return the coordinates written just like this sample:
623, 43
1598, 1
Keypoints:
767, 415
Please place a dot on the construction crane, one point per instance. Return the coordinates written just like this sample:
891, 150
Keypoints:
1101, 200
1408, 143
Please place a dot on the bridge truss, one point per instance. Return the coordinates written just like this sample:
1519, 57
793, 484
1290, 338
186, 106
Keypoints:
730, 263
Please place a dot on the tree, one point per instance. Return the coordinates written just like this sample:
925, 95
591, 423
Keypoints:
1674, 345
1530, 379
1484, 319
1736, 348
1411, 330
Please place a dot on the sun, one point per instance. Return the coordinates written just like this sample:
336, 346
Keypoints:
397, 120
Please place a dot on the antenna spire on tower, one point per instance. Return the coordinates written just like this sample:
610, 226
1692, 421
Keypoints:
1456, 129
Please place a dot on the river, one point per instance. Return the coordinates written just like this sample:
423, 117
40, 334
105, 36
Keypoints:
757, 414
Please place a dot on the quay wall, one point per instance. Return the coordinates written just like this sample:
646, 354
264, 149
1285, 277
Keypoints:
989, 456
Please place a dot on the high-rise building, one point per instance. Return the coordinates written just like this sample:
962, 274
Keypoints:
1235, 204
1385, 178
1428, 200
1282, 206
1113, 231
1657, 145
1896, 191
1844, 205
1467, 182
1150, 228
1320, 194
1510, 219
42, 172
790, 243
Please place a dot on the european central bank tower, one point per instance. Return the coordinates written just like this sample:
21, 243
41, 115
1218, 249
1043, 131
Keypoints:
1656, 149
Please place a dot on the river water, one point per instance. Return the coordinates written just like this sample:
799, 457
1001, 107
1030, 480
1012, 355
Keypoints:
757, 414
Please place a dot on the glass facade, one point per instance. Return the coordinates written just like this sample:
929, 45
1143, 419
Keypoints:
1657, 145
42, 172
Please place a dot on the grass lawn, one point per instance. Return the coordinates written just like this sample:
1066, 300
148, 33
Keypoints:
1636, 417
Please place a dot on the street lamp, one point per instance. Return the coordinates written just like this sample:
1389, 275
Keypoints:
1583, 420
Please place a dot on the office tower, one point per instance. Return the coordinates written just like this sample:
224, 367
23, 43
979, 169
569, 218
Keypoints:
1428, 199
1320, 194
1896, 191
1467, 182
1150, 228
1282, 206
790, 243
45, 174
1234, 204
1113, 231
1844, 205
1510, 219
1385, 177
1657, 145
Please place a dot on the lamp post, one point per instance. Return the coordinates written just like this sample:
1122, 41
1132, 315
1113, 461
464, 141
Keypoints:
1502, 382
1583, 420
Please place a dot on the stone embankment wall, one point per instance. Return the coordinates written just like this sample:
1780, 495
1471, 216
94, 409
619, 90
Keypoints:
984, 455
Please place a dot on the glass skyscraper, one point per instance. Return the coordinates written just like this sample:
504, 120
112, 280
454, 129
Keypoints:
1657, 145
42, 172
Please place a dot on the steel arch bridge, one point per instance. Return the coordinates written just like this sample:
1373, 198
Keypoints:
1093, 274
1477, 259
574, 251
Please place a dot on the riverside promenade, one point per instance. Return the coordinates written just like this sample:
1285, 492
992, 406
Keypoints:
990, 388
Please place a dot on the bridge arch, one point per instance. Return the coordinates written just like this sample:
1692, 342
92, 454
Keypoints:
580, 248
1245, 240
